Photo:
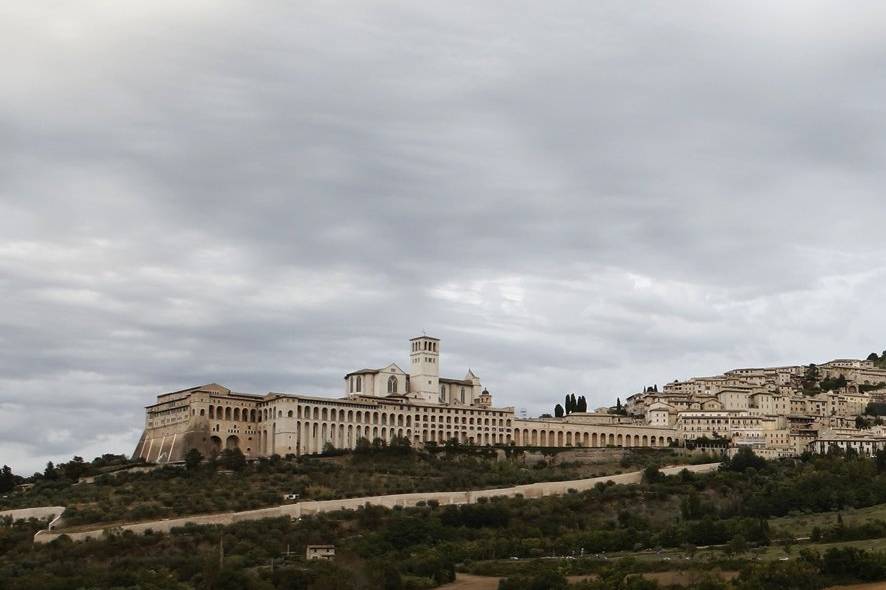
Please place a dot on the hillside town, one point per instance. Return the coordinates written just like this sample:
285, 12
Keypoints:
776, 411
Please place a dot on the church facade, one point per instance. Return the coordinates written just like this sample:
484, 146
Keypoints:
382, 403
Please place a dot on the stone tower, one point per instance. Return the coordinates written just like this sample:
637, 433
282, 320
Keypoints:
424, 372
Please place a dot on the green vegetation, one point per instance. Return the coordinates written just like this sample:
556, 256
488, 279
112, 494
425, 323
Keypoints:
879, 360
749, 518
831, 383
571, 404
809, 382
229, 483
7, 479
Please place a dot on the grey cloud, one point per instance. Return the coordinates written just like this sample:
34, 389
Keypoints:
575, 197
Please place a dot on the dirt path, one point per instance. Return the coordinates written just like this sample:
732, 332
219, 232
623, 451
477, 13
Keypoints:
311, 507
871, 586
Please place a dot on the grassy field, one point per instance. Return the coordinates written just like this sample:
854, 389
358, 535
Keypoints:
801, 525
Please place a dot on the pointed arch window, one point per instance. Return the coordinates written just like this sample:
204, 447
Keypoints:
392, 384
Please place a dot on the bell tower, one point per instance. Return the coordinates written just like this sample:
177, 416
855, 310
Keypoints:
424, 372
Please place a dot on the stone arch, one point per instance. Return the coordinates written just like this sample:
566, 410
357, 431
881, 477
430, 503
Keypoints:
232, 442
215, 445
227, 413
611, 439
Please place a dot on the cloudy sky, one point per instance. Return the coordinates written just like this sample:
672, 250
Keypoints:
574, 196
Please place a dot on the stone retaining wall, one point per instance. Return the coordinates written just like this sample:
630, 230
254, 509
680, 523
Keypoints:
41, 513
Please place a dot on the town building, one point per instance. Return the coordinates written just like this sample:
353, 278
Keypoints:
765, 409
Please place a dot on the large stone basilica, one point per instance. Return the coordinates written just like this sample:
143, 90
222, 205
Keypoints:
379, 403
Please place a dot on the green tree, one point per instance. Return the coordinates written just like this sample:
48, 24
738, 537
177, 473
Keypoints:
400, 445
7, 479
873, 357
232, 459
737, 545
50, 472
743, 460
363, 446
652, 474
193, 458
75, 468
558, 411
809, 381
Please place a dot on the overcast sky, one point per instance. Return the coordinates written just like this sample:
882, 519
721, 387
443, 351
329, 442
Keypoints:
574, 196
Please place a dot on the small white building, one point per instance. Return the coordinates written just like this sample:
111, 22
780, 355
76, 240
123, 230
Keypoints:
326, 552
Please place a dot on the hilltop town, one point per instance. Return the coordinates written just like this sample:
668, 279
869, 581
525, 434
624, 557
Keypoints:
776, 412
425, 475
